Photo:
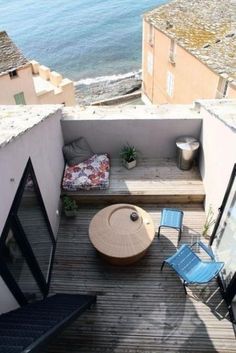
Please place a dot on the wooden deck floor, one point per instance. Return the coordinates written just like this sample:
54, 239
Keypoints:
150, 182
139, 308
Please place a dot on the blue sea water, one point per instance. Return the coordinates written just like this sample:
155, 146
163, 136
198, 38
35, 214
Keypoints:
78, 38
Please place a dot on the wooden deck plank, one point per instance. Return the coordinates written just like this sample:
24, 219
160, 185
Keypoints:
151, 181
139, 308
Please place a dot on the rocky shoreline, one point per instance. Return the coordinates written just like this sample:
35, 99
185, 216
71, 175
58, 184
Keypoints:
106, 89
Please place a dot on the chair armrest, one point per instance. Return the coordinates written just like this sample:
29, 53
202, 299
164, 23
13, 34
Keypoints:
206, 248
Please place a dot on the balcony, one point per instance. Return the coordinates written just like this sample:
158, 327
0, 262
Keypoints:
139, 308
156, 178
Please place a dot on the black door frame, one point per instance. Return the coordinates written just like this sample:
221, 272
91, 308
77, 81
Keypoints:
14, 223
230, 291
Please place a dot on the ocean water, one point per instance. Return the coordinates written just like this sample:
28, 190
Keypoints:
82, 39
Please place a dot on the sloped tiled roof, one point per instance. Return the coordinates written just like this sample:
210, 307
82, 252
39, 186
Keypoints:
10, 56
206, 28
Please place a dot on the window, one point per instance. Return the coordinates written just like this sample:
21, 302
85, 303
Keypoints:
19, 98
170, 84
13, 74
151, 35
150, 63
222, 88
172, 51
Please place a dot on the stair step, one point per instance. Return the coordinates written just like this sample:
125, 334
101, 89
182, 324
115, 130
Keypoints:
19, 332
15, 326
16, 341
28, 321
10, 349
33, 325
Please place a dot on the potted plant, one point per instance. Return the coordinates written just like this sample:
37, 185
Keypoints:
129, 156
70, 206
210, 221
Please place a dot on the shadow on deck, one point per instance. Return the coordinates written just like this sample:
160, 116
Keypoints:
139, 308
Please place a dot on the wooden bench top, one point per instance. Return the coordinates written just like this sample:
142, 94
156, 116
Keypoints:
151, 180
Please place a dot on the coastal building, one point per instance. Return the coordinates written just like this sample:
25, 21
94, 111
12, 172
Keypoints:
27, 82
139, 308
189, 51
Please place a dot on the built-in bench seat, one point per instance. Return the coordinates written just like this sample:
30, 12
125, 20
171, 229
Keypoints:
151, 181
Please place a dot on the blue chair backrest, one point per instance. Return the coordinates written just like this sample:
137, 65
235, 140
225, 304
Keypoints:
183, 261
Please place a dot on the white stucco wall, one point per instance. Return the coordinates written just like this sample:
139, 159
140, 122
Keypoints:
66, 95
218, 139
43, 144
152, 130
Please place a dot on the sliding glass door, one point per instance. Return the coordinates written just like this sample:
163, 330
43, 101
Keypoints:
223, 239
27, 244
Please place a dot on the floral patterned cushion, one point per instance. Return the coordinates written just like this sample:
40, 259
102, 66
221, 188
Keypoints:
90, 174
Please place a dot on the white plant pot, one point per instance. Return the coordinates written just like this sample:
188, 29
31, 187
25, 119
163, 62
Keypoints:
130, 165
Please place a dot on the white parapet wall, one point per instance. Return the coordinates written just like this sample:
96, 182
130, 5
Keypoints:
152, 130
51, 87
218, 140
44, 72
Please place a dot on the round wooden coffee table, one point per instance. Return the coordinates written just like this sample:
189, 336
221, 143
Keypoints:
118, 238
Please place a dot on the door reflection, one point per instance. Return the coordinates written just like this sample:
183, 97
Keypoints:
18, 267
34, 225
27, 243
224, 243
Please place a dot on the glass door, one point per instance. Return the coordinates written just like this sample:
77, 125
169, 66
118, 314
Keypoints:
31, 219
27, 244
223, 239
16, 268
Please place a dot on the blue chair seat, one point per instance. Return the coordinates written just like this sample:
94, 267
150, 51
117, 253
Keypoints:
171, 218
204, 272
190, 268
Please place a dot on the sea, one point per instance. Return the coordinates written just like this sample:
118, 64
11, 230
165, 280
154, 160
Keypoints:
93, 42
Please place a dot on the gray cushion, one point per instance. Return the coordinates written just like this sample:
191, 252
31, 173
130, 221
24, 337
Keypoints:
77, 151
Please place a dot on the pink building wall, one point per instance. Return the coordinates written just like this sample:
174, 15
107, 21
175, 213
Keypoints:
65, 94
192, 79
22, 83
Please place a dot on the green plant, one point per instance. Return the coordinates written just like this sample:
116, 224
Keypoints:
69, 204
209, 222
128, 153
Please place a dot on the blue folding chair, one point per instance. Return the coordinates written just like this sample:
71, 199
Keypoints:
171, 218
190, 268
